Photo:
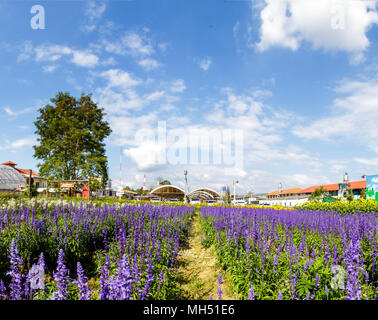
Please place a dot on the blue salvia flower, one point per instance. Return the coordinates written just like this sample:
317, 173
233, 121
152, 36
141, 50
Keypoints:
353, 266
326, 290
27, 287
3, 290
220, 293
61, 276
150, 279
220, 280
104, 279
16, 277
160, 282
82, 283
41, 261
124, 279
279, 295
251, 293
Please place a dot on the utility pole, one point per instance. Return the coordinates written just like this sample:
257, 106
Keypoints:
89, 187
120, 169
30, 182
186, 186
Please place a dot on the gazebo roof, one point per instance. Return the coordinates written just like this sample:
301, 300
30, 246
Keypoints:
168, 191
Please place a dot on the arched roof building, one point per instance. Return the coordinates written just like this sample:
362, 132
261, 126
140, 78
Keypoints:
10, 179
168, 191
204, 193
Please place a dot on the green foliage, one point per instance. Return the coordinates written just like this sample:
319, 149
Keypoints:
163, 182
33, 191
71, 135
349, 195
228, 195
341, 206
318, 194
95, 184
270, 277
88, 248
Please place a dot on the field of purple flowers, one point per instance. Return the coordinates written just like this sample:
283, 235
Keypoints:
80, 251
295, 254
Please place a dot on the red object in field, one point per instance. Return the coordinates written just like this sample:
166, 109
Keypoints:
85, 194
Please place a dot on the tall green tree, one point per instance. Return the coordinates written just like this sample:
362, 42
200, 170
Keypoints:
161, 181
363, 194
71, 134
228, 195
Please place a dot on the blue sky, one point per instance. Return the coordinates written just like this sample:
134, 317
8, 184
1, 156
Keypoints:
297, 78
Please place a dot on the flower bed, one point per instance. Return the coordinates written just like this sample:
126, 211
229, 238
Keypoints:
85, 251
295, 254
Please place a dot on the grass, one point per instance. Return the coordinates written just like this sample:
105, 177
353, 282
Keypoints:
198, 269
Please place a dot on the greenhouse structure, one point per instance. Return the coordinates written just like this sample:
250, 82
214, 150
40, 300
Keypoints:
10, 179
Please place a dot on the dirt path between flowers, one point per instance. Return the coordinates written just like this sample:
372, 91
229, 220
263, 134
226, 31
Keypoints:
198, 269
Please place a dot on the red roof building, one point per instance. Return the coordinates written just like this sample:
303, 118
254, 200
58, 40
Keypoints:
24, 172
291, 191
328, 187
38, 180
331, 188
357, 185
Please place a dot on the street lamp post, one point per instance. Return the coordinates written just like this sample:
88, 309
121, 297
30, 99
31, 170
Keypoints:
234, 183
279, 188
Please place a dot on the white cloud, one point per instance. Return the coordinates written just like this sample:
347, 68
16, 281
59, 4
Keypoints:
94, 11
18, 144
124, 128
119, 101
49, 68
119, 78
131, 43
84, 59
326, 24
53, 53
14, 113
367, 161
26, 52
149, 64
338, 168
353, 115
178, 86
156, 95
137, 44
205, 63
145, 155
163, 46
304, 180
